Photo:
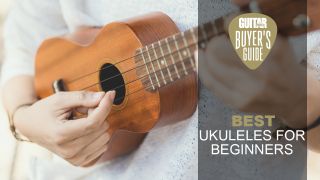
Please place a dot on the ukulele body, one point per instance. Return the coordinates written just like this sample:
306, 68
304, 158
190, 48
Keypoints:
89, 54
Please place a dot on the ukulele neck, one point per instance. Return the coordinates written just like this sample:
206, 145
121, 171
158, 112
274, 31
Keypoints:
172, 58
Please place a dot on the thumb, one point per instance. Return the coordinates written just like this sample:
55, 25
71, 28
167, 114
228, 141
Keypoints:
101, 112
77, 98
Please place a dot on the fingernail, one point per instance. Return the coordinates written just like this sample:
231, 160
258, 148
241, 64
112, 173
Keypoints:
98, 95
112, 94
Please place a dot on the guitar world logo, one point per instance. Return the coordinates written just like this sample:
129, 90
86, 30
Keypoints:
252, 36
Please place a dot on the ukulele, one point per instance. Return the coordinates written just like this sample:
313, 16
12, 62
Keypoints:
149, 63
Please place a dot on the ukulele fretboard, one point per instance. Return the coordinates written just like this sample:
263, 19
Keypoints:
172, 58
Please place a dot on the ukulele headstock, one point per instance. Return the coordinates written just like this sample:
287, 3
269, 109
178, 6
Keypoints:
293, 17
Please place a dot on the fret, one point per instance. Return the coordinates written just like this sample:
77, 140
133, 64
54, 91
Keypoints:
176, 52
160, 68
166, 77
164, 61
179, 54
155, 62
172, 59
195, 39
140, 68
154, 71
144, 60
188, 50
180, 49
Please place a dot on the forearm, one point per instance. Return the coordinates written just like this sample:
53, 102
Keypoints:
17, 91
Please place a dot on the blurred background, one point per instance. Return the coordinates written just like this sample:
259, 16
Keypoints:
13, 155
7, 144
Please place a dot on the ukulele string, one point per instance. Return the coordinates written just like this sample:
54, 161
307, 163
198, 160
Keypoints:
157, 45
142, 66
284, 4
149, 86
144, 88
176, 73
154, 73
154, 84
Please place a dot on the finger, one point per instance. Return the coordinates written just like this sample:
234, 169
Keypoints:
65, 115
236, 78
225, 93
101, 112
280, 46
82, 110
222, 48
90, 110
212, 67
233, 93
79, 143
216, 87
92, 147
77, 161
83, 126
67, 100
95, 156
206, 78
221, 72
93, 162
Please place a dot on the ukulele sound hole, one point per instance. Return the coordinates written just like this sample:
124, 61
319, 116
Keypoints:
111, 79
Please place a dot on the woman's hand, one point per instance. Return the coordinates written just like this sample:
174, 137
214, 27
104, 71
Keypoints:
79, 141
